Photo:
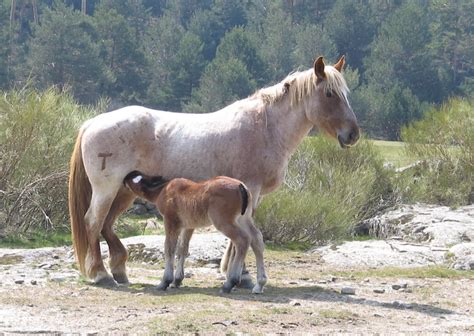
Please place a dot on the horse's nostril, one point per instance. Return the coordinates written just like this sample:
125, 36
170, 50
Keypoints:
353, 136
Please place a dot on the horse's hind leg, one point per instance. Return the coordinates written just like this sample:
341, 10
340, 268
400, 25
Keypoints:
183, 250
95, 216
172, 234
117, 252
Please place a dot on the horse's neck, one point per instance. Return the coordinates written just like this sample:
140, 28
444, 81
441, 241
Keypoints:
287, 126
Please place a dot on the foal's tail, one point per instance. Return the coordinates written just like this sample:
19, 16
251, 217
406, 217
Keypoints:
80, 193
244, 193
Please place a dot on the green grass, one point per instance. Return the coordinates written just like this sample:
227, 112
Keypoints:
393, 152
36, 240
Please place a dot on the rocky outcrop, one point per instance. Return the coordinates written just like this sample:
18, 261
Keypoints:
414, 235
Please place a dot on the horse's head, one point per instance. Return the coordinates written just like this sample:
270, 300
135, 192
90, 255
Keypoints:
328, 106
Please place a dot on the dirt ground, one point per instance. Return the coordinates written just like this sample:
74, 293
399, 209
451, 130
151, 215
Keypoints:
43, 294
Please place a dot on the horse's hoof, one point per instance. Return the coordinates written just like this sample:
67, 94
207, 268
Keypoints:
106, 282
121, 279
257, 290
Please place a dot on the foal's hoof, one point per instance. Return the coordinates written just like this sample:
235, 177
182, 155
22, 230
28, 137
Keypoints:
177, 283
226, 289
163, 286
106, 282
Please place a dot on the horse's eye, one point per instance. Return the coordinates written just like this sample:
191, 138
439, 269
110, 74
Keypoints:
328, 93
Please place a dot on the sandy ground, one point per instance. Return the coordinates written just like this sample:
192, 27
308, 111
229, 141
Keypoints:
42, 293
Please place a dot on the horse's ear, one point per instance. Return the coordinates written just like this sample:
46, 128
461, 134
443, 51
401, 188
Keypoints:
340, 64
319, 68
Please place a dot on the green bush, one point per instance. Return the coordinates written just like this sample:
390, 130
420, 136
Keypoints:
326, 191
37, 132
443, 142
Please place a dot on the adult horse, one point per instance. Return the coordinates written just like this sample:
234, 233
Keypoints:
250, 140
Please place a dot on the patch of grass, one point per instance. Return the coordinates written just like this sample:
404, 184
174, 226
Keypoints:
337, 314
414, 272
291, 246
130, 225
36, 240
393, 152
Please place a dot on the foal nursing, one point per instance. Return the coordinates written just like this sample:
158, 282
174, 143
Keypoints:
186, 205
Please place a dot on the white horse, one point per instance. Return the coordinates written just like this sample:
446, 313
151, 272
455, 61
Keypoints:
250, 140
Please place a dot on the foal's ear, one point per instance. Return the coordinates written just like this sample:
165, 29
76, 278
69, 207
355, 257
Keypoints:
319, 68
340, 64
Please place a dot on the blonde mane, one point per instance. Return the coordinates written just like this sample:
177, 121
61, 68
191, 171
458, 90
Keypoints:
302, 84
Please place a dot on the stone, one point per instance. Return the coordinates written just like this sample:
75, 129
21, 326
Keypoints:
20, 281
379, 290
348, 291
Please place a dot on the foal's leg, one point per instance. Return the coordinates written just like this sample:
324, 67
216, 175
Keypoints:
183, 251
94, 218
240, 240
172, 231
257, 246
246, 280
117, 252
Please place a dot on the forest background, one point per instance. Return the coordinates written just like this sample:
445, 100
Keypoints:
200, 55
409, 68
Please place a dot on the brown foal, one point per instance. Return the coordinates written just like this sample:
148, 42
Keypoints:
187, 205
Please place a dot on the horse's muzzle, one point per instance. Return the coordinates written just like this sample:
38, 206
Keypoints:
350, 139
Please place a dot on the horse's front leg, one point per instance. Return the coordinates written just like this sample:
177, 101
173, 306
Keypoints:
258, 247
172, 234
183, 251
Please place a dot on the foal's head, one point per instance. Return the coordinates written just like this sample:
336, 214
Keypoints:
327, 105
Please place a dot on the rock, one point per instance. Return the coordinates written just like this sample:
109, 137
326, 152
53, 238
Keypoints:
396, 287
151, 224
462, 256
33, 282
379, 290
20, 281
377, 253
348, 291
435, 225
138, 209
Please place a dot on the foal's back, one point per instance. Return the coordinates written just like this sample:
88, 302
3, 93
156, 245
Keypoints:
198, 204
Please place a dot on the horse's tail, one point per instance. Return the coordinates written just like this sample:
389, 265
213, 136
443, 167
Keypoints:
80, 194
244, 193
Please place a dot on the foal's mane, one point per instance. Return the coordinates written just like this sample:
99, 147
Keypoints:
298, 85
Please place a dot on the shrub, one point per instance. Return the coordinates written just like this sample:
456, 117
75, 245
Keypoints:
37, 132
326, 191
443, 141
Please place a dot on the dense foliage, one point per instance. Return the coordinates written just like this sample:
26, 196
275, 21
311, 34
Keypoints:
197, 56
443, 142
326, 192
37, 131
